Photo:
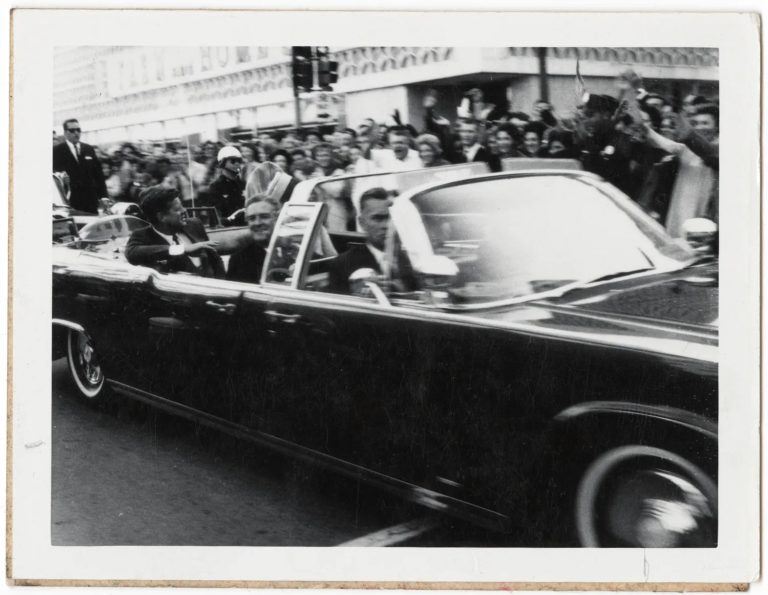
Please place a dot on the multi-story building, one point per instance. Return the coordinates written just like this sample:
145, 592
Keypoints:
156, 94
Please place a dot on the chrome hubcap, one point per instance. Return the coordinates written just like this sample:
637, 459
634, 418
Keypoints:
658, 508
89, 362
640, 496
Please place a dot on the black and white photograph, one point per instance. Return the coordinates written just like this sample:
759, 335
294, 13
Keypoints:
391, 302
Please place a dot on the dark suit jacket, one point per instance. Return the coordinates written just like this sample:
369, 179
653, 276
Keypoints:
148, 248
484, 155
246, 264
86, 180
357, 257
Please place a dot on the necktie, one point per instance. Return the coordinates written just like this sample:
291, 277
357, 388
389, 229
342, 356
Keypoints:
175, 239
77, 151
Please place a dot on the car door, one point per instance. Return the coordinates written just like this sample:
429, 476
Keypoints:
342, 379
184, 335
270, 387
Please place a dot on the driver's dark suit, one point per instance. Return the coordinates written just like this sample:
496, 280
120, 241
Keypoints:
357, 257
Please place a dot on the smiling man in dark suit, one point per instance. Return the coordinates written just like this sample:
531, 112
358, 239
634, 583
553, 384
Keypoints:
374, 220
172, 243
472, 150
86, 179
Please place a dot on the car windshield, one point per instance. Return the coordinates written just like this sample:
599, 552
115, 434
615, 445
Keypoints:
342, 195
518, 236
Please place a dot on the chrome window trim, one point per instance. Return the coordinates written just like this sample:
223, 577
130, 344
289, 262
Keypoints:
306, 240
673, 347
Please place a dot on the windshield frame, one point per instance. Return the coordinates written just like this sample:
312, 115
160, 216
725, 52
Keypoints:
416, 242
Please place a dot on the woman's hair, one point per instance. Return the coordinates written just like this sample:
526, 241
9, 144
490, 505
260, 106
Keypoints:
285, 154
510, 129
563, 136
535, 127
432, 141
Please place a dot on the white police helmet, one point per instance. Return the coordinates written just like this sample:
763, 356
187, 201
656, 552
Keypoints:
228, 153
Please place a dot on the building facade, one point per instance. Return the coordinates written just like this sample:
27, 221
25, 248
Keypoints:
157, 94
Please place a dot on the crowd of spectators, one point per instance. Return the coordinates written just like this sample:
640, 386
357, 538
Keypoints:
664, 156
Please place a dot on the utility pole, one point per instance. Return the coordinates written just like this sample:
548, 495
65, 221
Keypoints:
543, 77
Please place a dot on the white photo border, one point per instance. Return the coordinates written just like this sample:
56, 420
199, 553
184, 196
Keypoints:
735, 560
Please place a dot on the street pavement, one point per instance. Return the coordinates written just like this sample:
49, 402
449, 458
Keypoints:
126, 474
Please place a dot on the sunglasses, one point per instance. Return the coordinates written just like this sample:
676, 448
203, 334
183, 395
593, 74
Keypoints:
73, 130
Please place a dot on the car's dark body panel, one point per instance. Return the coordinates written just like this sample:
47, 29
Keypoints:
470, 397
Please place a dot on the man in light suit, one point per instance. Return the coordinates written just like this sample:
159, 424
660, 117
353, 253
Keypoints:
172, 243
79, 161
374, 221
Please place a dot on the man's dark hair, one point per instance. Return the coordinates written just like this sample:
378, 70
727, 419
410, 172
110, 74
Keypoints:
519, 116
563, 136
470, 121
653, 114
696, 99
663, 99
708, 109
263, 198
377, 193
68, 121
351, 131
156, 200
399, 130
298, 151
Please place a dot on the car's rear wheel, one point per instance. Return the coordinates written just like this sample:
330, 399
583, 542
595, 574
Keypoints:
642, 496
85, 366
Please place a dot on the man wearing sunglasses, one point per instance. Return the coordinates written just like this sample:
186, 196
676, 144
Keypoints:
79, 161
226, 192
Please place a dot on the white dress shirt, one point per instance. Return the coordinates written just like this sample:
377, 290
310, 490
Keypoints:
177, 248
385, 160
75, 150
471, 152
380, 258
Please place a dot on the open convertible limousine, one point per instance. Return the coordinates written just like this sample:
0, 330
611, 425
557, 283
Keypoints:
539, 356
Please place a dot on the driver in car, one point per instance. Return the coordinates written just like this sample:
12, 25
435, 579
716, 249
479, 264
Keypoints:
172, 243
260, 215
374, 221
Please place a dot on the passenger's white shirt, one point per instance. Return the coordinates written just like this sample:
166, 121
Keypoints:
471, 152
385, 160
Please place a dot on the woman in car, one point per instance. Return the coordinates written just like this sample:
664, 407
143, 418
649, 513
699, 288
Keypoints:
430, 151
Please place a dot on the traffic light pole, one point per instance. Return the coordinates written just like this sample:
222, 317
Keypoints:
297, 107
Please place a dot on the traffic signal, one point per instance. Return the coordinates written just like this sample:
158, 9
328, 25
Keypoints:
328, 73
301, 64
327, 70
